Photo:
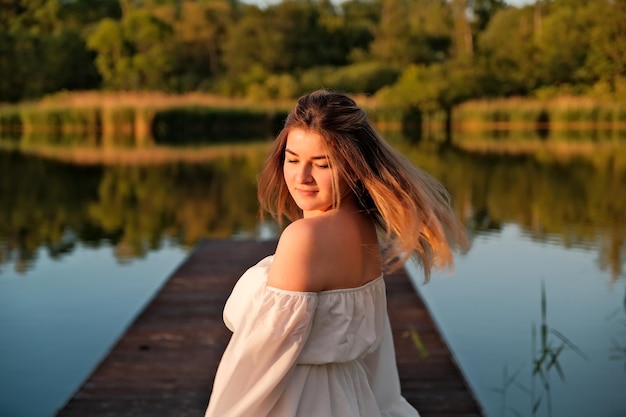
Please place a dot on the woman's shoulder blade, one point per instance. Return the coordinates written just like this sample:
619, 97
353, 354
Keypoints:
301, 259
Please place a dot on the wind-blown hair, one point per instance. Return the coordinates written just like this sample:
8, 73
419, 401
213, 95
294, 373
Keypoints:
411, 208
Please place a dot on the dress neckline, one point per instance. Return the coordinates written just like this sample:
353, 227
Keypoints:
363, 287
355, 289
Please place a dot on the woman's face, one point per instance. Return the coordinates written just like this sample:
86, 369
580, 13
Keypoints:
307, 172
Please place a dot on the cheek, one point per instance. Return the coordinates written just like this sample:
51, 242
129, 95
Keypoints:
328, 181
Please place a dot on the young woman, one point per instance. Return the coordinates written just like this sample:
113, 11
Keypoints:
311, 334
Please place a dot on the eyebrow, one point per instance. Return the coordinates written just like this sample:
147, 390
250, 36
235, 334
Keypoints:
287, 150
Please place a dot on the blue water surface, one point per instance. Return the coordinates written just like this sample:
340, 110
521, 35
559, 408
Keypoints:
59, 318
487, 311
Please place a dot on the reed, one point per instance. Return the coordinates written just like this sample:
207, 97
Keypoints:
148, 118
118, 126
144, 118
10, 123
140, 119
155, 99
560, 113
80, 120
620, 114
407, 120
385, 118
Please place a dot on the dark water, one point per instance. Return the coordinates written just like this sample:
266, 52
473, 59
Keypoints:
535, 311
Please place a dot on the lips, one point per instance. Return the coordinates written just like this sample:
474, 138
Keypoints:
305, 192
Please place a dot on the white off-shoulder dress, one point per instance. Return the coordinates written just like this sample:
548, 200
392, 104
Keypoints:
306, 354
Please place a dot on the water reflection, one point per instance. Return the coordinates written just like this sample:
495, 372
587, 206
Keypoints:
578, 199
54, 205
565, 205
524, 355
133, 208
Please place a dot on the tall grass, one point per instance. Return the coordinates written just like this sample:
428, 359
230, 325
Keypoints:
144, 119
137, 119
10, 123
527, 113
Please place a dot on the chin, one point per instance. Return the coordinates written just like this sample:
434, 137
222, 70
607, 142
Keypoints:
309, 205
314, 208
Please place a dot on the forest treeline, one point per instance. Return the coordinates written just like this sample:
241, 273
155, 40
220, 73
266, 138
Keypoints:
425, 54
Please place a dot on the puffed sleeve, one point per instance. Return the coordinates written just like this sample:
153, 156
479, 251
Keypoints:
261, 353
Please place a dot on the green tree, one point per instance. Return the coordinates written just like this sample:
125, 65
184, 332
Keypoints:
463, 36
607, 54
482, 11
11, 80
508, 60
200, 31
42, 50
67, 63
414, 31
250, 50
358, 22
300, 33
82, 14
430, 89
431, 23
414, 88
564, 40
134, 53
285, 38
392, 40
108, 42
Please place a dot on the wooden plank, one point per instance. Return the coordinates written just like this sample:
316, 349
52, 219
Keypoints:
165, 362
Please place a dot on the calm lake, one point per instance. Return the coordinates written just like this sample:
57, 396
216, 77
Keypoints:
535, 311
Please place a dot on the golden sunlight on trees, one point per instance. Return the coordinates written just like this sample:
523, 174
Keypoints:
283, 49
135, 53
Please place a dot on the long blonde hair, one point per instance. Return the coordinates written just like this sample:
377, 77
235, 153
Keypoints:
411, 208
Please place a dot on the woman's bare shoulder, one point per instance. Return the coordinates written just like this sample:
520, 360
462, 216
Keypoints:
301, 260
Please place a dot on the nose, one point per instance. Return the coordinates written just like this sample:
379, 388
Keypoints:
303, 175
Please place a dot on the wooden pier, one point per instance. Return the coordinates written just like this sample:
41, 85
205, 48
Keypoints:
164, 365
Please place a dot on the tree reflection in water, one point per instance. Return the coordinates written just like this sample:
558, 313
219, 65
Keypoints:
570, 200
574, 198
134, 208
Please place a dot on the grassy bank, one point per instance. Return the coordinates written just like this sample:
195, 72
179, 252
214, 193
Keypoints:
111, 119
562, 113
133, 119
138, 119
